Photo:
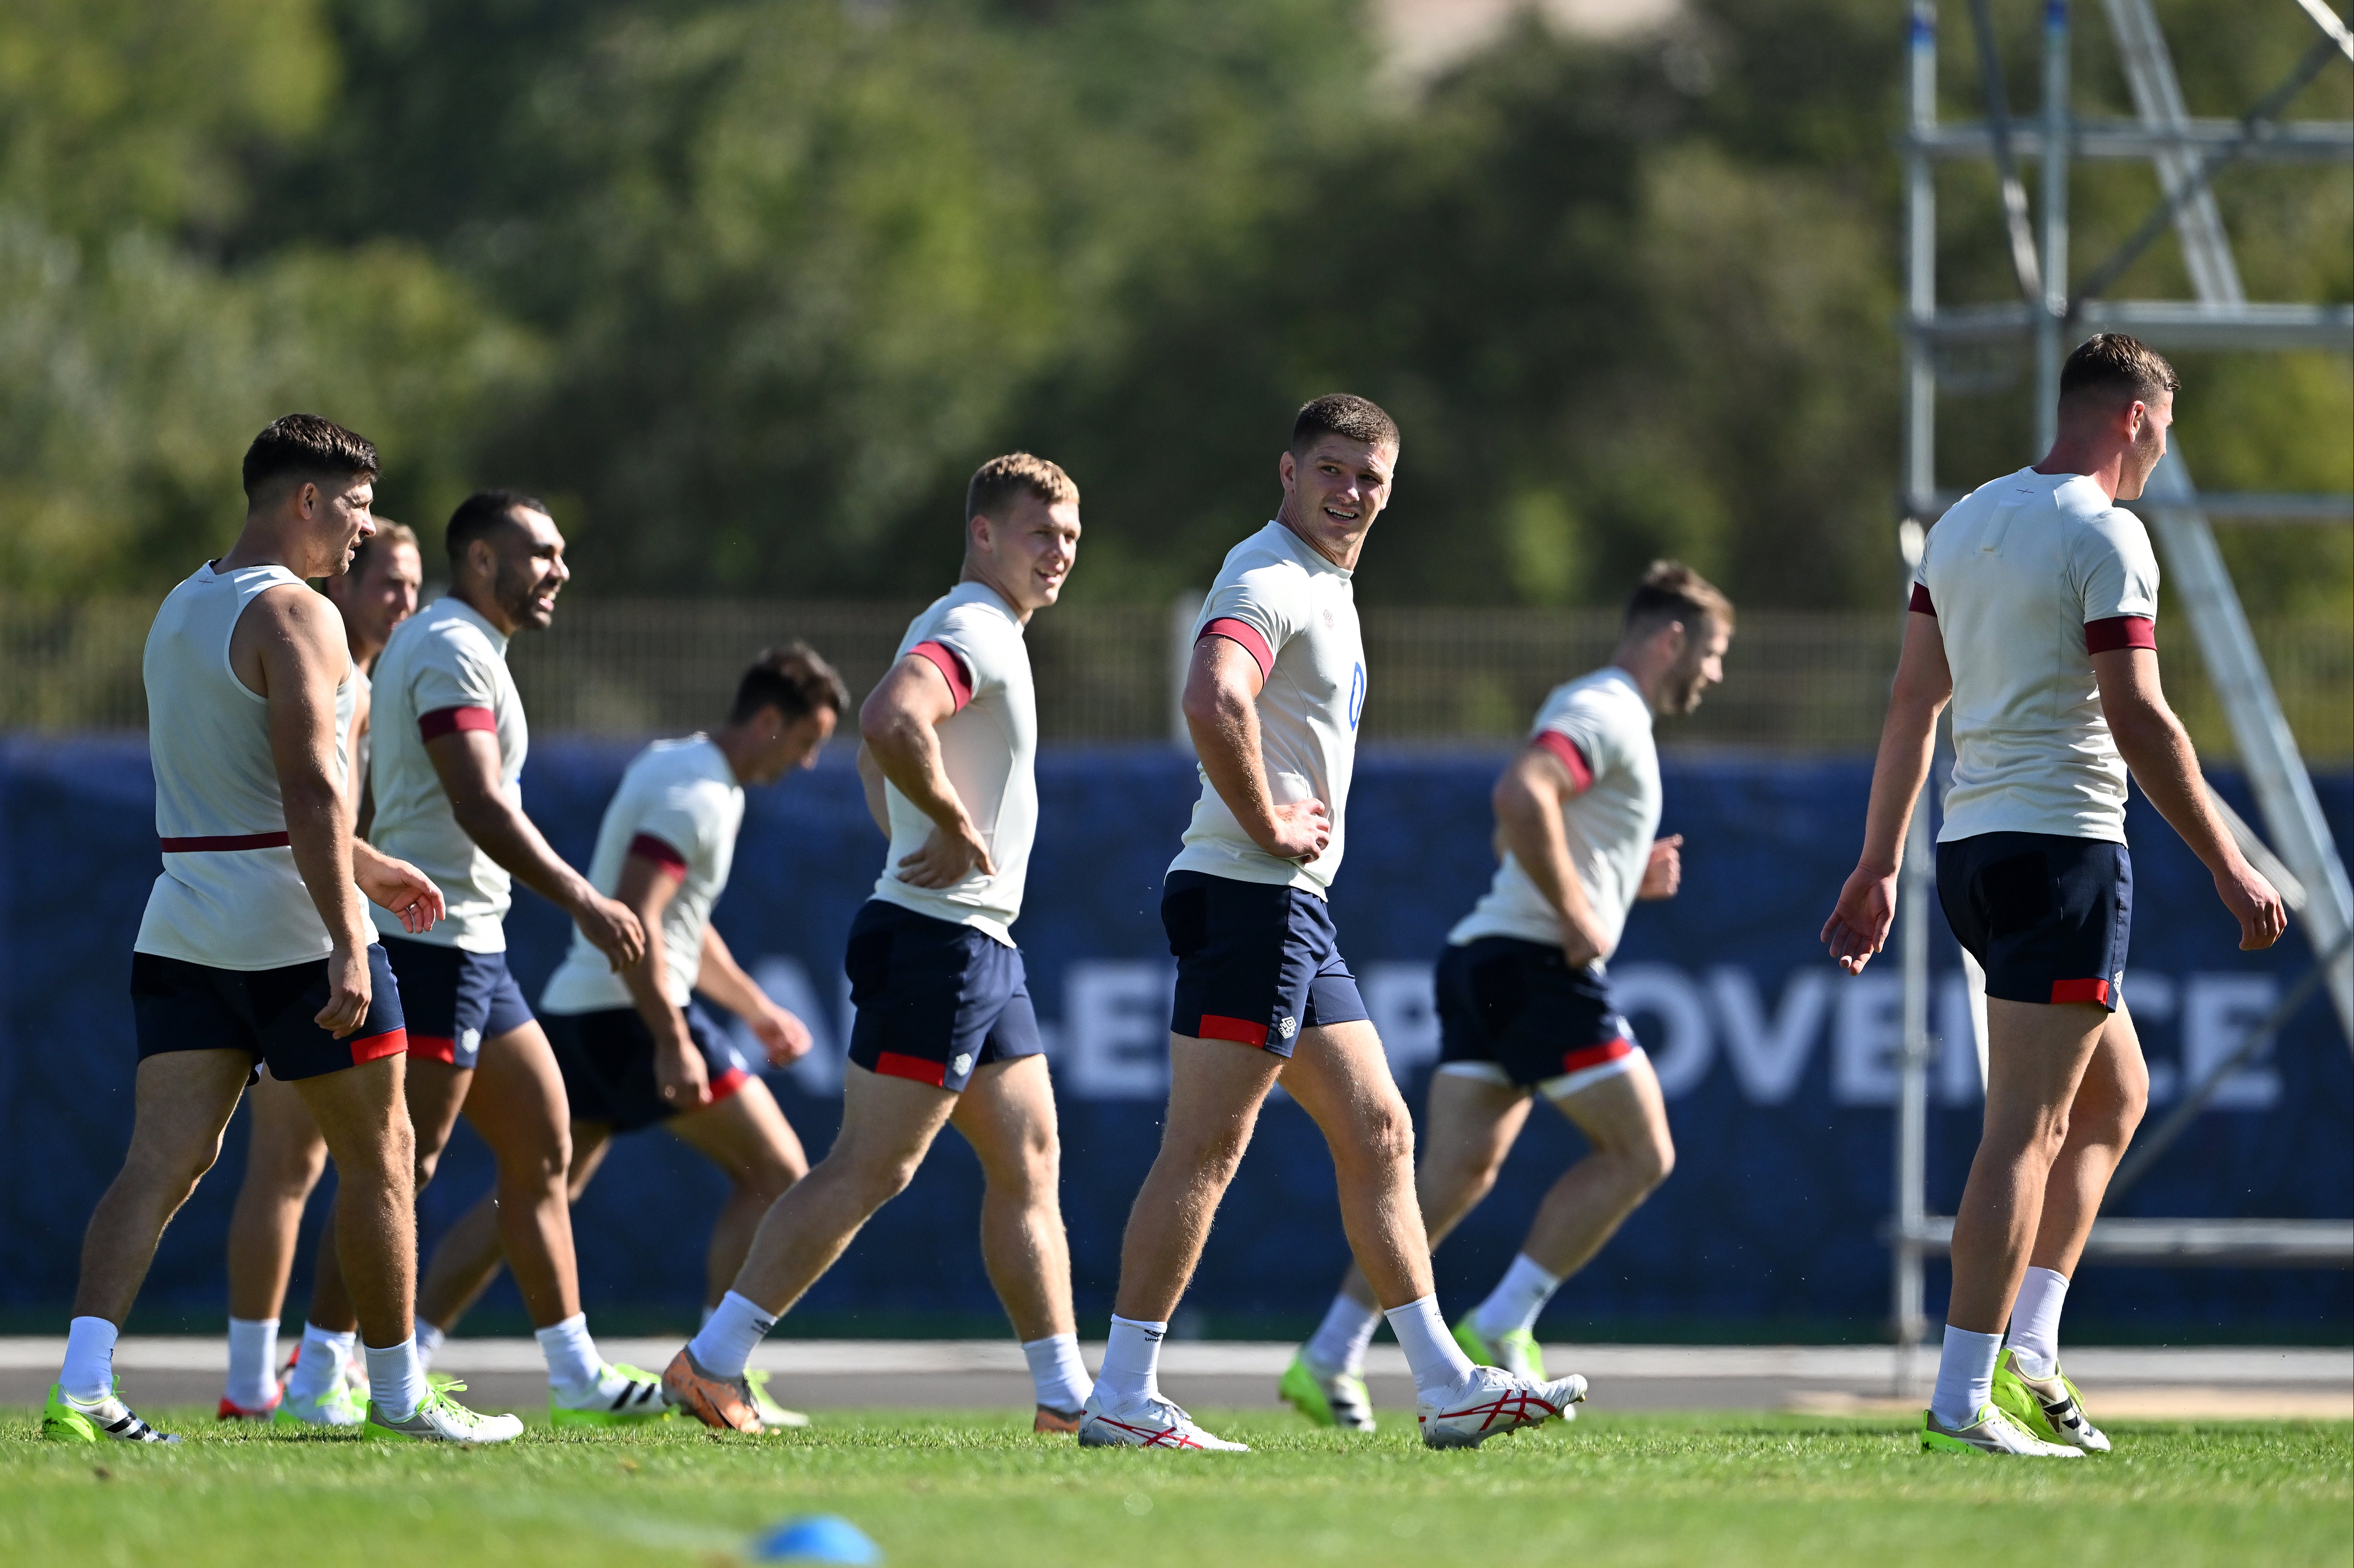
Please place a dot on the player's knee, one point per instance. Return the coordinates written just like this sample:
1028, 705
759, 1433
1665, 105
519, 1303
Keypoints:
765, 1180
1650, 1161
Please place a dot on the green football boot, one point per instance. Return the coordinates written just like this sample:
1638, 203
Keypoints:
622, 1396
2050, 1408
773, 1414
65, 1419
1338, 1400
1994, 1432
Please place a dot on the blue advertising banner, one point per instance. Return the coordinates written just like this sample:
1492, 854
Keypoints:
1778, 1071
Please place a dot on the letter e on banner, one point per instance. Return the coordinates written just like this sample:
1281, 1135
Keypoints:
1116, 1028
1866, 1036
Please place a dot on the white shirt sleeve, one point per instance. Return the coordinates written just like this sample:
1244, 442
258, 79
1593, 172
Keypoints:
979, 637
2115, 569
685, 816
454, 673
1271, 601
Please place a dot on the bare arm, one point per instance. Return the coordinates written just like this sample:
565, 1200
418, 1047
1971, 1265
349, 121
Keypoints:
646, 889
356, 775
1222, 687
870, 783
1528, 799
900, 723
721, 979
2154, 746
467, 761
1859, 923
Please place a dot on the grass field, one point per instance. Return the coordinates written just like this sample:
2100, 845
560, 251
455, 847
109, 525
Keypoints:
956, 1491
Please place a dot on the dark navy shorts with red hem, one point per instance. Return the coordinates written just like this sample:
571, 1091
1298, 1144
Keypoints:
270, 1014
1519, 1005
1257, 963
2047, 916
607, 1058
456, 1000
937, 1001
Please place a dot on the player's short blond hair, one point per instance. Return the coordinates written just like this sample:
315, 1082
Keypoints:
388, 536
1001, 479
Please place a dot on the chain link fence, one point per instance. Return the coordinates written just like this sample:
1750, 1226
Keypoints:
1803, 683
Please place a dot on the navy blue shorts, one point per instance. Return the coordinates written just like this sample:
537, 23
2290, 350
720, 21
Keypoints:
1518, 1007
268, 1014
456, 1000
1255, 963
936, 1001
608, 1060
2047, 916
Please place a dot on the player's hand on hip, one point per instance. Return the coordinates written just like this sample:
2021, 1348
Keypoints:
612, 928
350, 989
1581, 948
397, 885
1301, 830
785, 1037
1665, 872
1859, 923
678, 1070
2255, 902
948, 855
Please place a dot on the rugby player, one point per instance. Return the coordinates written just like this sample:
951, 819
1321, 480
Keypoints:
1524, 996
636, 1049
2033, 612
944, 1034
449, 742
254, 947
1272, 697
284, 1153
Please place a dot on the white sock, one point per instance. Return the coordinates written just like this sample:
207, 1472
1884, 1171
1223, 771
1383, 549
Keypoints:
1965, 1377
705, 1319
1438, 1361
725, 1346
429, 1342
252, 1364
2035, 1323
1131, 1364
88, 1371
572, 1360
321, 1364
397, 1384
1338, 1343
1517, 1299
1056, 1372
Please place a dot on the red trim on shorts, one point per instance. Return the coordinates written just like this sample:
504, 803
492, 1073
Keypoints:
2120, 631
225, 842
950, 665
1245, 633
451, 721
645, 846
892, 1065
2080, 990
728, 1082
1595, 1055
391, 1043
1581, 772
1922, 604
1242, 1030
440, 1047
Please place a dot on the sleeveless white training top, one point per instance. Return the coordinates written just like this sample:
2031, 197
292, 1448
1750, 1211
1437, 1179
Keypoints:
230, 896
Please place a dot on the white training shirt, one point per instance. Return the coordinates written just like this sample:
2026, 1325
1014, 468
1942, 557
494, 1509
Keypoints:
2029, 576
989, 747
1600, 726
680, 806
229, 894
1295, 614
443, 670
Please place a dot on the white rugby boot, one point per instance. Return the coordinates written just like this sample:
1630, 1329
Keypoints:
1491, 1401
1145, 1423
622, 1396
1994, 1432
441, 1419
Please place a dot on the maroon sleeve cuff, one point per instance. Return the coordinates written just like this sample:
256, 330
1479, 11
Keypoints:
950, 665
645, 846
451, 721
2120, 631
1581, 772
1244, 633
1921, 603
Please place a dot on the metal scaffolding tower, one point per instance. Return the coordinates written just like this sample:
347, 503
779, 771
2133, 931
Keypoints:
2051, 315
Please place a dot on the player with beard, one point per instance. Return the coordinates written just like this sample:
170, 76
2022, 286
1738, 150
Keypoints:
285, 1155
1524, 1000
450, 738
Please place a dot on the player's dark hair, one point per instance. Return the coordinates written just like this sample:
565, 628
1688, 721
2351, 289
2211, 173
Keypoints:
793, 680
484, 512
2111, 368
1673, 591
388, 536
1001, 479
1341, 414
305, 447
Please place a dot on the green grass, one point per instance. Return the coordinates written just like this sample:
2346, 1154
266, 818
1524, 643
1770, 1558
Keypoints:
952, 1489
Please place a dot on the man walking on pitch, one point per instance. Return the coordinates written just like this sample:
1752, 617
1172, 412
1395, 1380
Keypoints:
285, 1156
449, 743
2033, 611
636, 1049
944, 1035
253, 948
1273, 696
1523, 999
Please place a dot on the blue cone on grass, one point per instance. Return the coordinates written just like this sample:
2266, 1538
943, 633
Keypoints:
817, 1538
